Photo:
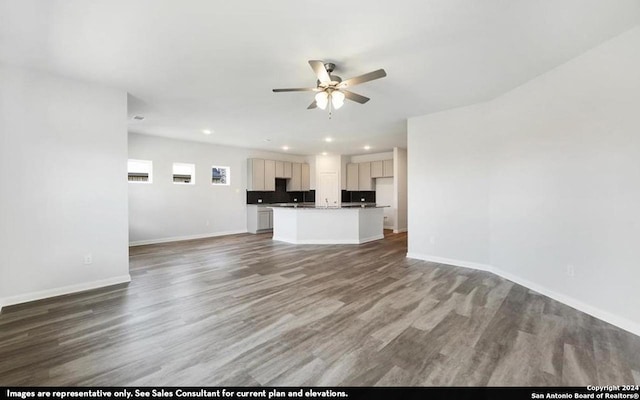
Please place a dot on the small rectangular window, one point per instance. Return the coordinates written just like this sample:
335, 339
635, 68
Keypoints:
184, 173
140, 171
220, 175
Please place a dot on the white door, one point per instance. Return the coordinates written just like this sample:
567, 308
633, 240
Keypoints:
328, 191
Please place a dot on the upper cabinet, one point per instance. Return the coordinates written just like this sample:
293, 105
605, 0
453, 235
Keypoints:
255, 174
377, 169
364, 176
295, 183
387, 168
279, 169
287, 166
269, 176
262, 174
352, 177
283, 169
306, 178
360, 175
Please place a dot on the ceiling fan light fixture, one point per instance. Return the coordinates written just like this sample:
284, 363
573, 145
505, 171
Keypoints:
322, 99
331, 90
337, 99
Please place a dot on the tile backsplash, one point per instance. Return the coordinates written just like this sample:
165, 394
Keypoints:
280, 195
357, 196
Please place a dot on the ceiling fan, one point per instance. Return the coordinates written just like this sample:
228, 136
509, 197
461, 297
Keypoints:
331, 89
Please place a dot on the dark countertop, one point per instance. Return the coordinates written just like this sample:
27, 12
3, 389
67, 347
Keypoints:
315, 207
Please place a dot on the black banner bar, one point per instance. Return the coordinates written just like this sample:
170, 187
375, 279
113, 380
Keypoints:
334, 393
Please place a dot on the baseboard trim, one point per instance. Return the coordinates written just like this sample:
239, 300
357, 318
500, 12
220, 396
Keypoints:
372, 238
182, 238
450, 261
399, 230
80, 287
621, 322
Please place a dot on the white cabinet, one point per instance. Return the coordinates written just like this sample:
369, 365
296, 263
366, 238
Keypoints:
287, 173
382, 169
264, 220
259, 218
255, 174
387, 168
364, 176
269, 176
295, 183
305, 184
262, 174
352, 177
360, 176
377, 170
279, 169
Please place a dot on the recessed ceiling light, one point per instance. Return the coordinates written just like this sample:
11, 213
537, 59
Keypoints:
328, 140
367, 147
324, 153
206, 131
285, 147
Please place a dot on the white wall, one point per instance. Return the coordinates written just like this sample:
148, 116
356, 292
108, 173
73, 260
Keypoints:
400, 189
68, 196
385, 196
541, 180
164, 211
387, 155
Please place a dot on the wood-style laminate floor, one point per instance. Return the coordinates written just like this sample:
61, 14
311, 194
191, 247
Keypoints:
244, 310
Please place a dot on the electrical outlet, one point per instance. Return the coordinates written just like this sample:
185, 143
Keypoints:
88, 259
432, 239
207, 222
571, 271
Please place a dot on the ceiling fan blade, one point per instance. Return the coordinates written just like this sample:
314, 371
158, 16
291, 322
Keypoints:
296, 90
312, 105
320, 70
355, 97
363, 78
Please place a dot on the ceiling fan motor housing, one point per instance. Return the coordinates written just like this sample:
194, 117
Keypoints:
329, 67
334, 78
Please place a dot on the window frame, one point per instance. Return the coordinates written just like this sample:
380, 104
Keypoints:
150, 173
192, 175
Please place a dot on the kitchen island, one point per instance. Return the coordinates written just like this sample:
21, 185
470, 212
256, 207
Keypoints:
327, 225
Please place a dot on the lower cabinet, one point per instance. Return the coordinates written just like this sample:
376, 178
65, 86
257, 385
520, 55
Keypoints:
259, 218
265, 219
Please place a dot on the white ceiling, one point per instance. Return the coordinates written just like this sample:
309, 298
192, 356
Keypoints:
193, 65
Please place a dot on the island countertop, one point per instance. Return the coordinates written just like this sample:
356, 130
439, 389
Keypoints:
316, 207
328, 225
